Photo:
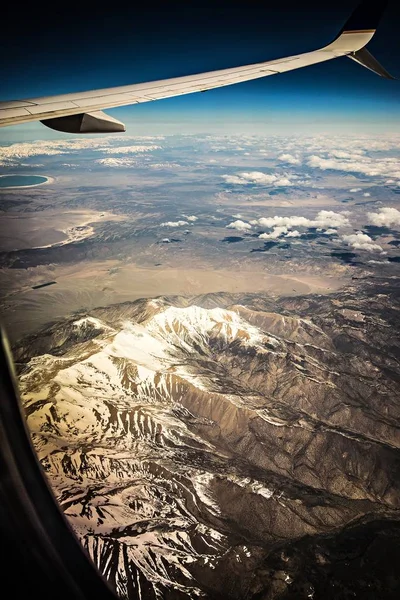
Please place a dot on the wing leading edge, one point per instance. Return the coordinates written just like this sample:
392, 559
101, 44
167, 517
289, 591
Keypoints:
82, 112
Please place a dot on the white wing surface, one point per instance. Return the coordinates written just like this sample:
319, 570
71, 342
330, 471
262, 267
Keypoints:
81, 112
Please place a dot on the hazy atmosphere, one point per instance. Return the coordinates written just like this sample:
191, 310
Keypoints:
121, 218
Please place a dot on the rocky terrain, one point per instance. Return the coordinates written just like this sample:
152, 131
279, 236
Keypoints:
227, 446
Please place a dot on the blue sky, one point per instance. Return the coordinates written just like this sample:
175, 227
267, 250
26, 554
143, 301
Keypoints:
80, 49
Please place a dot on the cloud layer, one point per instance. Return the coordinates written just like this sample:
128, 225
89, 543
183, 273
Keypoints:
13, 153
128, 149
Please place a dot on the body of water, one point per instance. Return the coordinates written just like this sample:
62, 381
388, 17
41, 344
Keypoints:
7, 181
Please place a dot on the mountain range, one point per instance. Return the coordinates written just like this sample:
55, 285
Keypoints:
227, 446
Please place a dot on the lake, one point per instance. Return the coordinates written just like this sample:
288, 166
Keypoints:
7, 181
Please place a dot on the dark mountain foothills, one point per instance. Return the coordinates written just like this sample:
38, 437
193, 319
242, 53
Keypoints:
227, 446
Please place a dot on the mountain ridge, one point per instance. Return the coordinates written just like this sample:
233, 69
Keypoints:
188, 438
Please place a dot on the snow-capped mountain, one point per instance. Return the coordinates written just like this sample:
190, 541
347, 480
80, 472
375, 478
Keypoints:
187, 439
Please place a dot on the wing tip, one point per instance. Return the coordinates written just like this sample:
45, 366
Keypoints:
365, 58
366, 17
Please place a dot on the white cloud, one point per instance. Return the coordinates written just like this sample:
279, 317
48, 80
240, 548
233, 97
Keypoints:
191, 218
239, 225
361, 241
275, 233
284, 221
367, 194
289, 158
329, 232
387, 217
329, 218
354, 190
174, 224
324, 219
234, 179
166, 241
256, 177
293, 233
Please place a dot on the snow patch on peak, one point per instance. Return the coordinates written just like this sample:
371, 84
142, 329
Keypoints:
196, 325
135, 343
201, 483
155, 303
90, 321
253, 485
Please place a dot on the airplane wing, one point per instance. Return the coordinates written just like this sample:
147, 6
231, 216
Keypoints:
82, 112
